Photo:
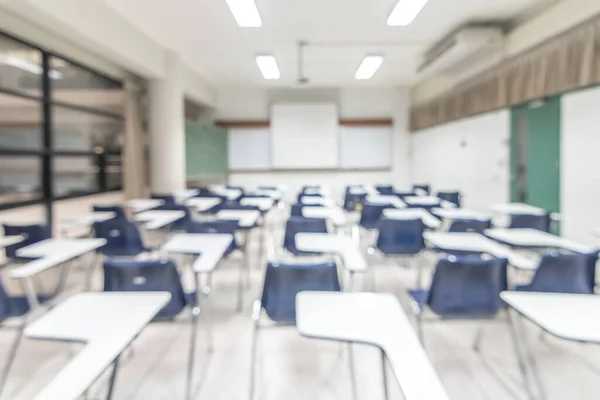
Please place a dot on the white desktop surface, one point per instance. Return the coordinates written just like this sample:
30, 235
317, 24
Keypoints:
317, 201
273, 194
422, 200
182, 195
140, 205
334, 214
231, 194
51, 253
568, 316
516, 208
458, 213
536, 238
89, 219
209, 247
411, 213
105, 322
475, 242
386, 200
203, 203
246, 218
261, 202
6, 241
345, 247
375, 319
158, 219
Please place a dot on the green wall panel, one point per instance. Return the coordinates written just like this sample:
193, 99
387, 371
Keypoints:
205, 150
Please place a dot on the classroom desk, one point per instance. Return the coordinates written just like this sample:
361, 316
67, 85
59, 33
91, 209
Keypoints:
477, 243
247, 220
140, 205
458, 214
263, 203
273, 194
334, 214
375, 319
182, 195
158, 219
516, 208
6, 241
87, 220
533, 238
413, 213
230, 194
107, 323
203, 204
386, 200
317, 201
572, 317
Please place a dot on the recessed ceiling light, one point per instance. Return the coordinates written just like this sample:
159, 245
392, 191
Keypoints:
245, 13
268, 67
405, 12
368, 67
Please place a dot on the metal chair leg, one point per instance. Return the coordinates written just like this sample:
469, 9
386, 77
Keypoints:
532, 362
517, 348
253, 360
352, 372
478, 338
11, 356
384, 375
192, 352
113, 378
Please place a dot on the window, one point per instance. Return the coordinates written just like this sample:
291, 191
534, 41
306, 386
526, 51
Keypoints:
20, 179
20, 67
20, 123
76, 130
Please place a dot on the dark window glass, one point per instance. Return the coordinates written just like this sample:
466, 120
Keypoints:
75, 175
20, 178
20, 123
82, 131
80, 87
114, 174
20, 67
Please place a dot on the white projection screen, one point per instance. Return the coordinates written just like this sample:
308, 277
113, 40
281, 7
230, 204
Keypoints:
304, 136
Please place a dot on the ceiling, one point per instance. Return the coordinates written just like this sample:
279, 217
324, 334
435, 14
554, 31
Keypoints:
340, 33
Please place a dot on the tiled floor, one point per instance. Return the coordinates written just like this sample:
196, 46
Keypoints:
293, 368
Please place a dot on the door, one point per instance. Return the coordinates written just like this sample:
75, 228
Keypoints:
535, 153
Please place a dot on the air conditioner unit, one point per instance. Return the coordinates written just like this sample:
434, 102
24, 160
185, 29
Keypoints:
463, 46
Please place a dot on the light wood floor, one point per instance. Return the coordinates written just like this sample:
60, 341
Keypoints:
293, 368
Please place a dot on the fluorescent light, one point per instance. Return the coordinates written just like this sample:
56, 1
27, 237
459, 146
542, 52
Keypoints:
30, 67
268, 67
245, 13
368, 67
405, 12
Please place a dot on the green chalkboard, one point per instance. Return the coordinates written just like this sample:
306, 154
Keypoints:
205, 150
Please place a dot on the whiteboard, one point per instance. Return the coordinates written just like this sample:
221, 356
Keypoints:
365, 147
304, 136
249, 149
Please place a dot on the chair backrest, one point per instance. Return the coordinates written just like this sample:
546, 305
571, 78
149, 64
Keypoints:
180, 224
296, 225
146, 276
565, 273
385, 189
451, 196
402, 194
423, 187
351, 200
118, 210
167, 198
540, 222
302, 194
12, 306
234, 205
470, 225
468, 286
296, 210
122, 236
33, 233
371, 214
284, 281
219, 226
400, 236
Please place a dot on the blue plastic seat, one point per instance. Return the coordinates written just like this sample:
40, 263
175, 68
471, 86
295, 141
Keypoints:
385, 190
118, 210
301, 195
33, 234
540, 222
400, 236
423, 187
167, 198
402, 194
181, 223
470, 225
450, 196
219, 226
296, 210
352, 201
564, 273
371, 214
123, 238
296, 225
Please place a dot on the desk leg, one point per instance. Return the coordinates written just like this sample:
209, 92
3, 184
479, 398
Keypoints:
113, 378
530, 358
11, 356
244, 265
262, 242
515, 339
192, 352
384, 375
352, 372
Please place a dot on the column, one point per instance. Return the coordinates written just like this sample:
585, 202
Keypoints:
167, 129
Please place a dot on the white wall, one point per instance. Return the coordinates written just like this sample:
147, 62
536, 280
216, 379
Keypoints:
580, 175
471, 155
254, 104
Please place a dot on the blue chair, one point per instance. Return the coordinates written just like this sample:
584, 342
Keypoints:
463, 287
214, 209
470, 225
159, 275
402, 195
301, 195
400, 237
33, 234
423, 187
371, 214
540, 222
450, 196
118, 210
219, 226
352, 201
385, 189
167, 198
181, 223
296, 225
296, 210
564, 273
281, 285
123, 238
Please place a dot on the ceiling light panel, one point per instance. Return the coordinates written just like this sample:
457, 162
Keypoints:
405, 12
245, 13
368, 67
268, 67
